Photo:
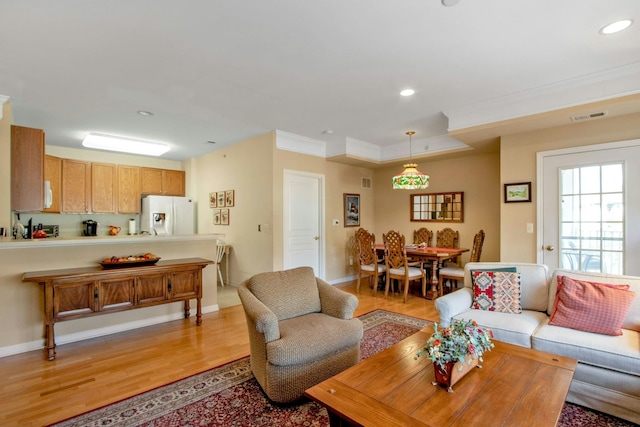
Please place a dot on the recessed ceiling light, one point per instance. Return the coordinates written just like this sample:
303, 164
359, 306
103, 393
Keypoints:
407, 92
616, 27
145, 113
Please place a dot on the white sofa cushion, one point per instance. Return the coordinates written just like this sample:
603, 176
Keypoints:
508, 327
616, 352
534, 281
632, 320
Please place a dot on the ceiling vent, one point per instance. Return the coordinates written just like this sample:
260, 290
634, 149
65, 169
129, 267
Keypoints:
588, 116
366, 182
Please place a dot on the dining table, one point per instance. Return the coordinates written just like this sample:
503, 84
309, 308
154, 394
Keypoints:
435, 255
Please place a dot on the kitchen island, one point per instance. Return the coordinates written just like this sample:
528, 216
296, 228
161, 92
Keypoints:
22, 304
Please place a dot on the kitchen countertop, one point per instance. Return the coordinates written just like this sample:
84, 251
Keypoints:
9, 243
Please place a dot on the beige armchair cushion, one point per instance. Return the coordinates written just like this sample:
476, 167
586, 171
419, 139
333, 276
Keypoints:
287, 293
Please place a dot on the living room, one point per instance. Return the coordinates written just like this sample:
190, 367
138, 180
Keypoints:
500, 151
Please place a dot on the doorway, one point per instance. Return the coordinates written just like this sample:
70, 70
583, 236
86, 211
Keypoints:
587, 207
302, 221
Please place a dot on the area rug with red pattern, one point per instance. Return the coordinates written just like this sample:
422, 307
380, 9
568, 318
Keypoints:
230, 396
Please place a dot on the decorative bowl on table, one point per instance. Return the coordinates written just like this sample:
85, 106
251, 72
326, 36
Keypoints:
129, 261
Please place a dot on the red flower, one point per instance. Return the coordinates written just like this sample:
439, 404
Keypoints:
447, 331
472, 349
436, 343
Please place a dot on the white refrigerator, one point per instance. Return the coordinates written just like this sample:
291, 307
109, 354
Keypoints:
167, 215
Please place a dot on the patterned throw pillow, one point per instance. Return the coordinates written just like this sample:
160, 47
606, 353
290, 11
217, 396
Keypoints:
497, 291
590, 306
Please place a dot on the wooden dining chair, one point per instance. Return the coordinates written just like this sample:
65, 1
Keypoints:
455, 274
448, 238
398, 267
422, 235
368, 263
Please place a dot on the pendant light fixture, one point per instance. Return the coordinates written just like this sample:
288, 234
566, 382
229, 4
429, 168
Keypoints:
410, 178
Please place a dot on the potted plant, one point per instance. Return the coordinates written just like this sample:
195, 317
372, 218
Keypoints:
456, 349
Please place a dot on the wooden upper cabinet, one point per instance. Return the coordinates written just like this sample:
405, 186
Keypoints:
27, 169
128, 189
162, 182
53, 174
76, 186
103, 187
173, 183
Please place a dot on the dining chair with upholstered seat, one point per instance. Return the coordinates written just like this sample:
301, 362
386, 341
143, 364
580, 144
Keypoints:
368, 263
455, 274
422, 235
398, 267
448, 238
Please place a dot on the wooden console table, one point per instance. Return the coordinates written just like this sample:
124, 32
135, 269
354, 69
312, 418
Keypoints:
74, 293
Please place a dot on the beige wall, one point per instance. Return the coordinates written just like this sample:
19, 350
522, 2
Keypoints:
339, 179
476, 175
518, 164
5, 166
246, 168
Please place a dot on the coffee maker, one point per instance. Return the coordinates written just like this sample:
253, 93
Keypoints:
90, 227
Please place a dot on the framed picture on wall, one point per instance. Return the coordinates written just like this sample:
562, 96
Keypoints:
216, 217
224, 216
229, 198
221, 197
213, 200
518, 192
351, 210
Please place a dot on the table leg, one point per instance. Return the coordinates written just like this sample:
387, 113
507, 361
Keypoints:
187, 309
199, 311
433, 292
50, 341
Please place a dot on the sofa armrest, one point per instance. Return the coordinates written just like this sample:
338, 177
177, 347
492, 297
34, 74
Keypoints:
336, 302
452, 304
258, 314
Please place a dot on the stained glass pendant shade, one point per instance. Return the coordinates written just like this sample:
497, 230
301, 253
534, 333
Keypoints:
410, 178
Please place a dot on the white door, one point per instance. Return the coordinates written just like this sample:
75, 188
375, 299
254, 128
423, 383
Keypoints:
589, 207
302, 221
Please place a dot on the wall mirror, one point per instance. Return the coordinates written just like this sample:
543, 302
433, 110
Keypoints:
437, 207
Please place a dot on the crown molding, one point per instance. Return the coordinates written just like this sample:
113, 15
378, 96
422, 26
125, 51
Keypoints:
604, 85
300, 144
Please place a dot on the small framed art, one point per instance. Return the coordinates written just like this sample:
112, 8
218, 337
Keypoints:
229, 198
518, 192
213, 200
224, 216
351, 210
216, 217
221, 199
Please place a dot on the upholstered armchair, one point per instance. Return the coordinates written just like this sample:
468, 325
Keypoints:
301, 331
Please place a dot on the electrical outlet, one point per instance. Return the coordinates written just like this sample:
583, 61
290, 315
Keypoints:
530, 227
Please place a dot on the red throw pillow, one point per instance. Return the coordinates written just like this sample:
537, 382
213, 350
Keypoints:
590, 306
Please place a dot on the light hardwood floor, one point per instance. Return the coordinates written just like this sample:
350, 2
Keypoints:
90, 374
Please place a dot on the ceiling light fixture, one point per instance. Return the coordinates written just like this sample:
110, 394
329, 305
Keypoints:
145, 113
616, 27
124, 145
407, 92
410, 178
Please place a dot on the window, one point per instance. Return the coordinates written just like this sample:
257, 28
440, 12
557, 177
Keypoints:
592, 218
437, 207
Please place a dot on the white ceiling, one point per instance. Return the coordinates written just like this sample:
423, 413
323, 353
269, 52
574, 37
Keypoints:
229, 70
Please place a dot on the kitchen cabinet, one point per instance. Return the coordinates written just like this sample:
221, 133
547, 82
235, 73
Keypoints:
103, 188
76, 186
76, 293
128, 189
27, 169
163, 182
53, 174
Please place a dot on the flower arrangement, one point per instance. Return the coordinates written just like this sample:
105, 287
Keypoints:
452, 344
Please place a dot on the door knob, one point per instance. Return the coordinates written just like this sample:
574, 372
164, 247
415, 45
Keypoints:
549, 248
316, 238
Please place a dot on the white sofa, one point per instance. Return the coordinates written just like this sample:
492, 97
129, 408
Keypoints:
607, 378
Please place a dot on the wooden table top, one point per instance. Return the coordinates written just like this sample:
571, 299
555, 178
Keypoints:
429, 251
516, 386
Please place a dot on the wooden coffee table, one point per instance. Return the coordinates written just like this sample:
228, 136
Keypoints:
516, 386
